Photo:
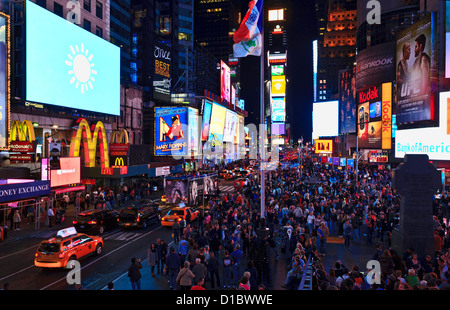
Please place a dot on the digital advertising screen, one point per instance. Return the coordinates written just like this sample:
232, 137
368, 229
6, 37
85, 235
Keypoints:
225, 82
375, 117
278, 106
68, 66
240, 132
69, 173
277, 70
323, 146
231, 122
347, 102
217, 124
170, 124
278, 129
325, 119
278, 85
193, 131
4, 84
162, 79
207, 108
447, 39
432, 141
416, 72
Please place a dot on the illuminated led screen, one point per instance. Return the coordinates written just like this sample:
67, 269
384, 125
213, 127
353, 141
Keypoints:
68, 66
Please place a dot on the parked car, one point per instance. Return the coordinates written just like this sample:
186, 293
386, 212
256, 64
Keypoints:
139, 214
96, 221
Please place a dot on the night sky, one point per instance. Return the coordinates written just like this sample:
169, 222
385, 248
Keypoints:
301, 33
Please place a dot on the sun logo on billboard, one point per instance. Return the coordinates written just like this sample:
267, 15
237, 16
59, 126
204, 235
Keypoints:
81, 72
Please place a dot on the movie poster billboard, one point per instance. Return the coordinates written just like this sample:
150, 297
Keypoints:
416, 72
225, 82
170, 124
347, 102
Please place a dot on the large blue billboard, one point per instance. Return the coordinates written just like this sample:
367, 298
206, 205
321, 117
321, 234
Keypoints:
171, 135
68, 66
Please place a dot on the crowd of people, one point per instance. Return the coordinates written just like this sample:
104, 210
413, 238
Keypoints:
232, 247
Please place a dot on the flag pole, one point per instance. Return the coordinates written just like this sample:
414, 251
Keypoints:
262, 127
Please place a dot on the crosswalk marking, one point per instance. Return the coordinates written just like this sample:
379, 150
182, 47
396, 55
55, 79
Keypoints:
122, 236
226, 188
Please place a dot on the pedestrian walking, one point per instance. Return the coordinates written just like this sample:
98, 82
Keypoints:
17, 219
152, 258
185, 277
173, 262
212, 264
134, 273
347, 228
51, 216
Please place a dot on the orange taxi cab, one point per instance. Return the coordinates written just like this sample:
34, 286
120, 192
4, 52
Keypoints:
178, 214
67, 247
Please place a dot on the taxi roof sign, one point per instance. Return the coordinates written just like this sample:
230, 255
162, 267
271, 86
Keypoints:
181, 205
66, 232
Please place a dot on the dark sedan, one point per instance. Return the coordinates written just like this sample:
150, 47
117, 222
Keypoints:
96, 221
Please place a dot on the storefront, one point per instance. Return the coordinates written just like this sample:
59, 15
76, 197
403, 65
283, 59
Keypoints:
27, 197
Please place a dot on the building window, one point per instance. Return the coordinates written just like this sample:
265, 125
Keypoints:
58, 9
99, 10
99, 32
87, 25
87, 5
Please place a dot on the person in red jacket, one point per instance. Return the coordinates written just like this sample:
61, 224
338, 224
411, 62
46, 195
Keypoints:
199, 285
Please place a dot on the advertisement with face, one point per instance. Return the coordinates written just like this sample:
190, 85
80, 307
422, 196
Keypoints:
225, 82
347, 102
170, 138
79, 71
416, 72
175, 190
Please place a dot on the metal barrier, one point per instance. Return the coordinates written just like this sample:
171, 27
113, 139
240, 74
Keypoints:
306, 281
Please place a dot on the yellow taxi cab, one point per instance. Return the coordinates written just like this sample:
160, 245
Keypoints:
178, 214
229, 176
67, 247
163, 198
